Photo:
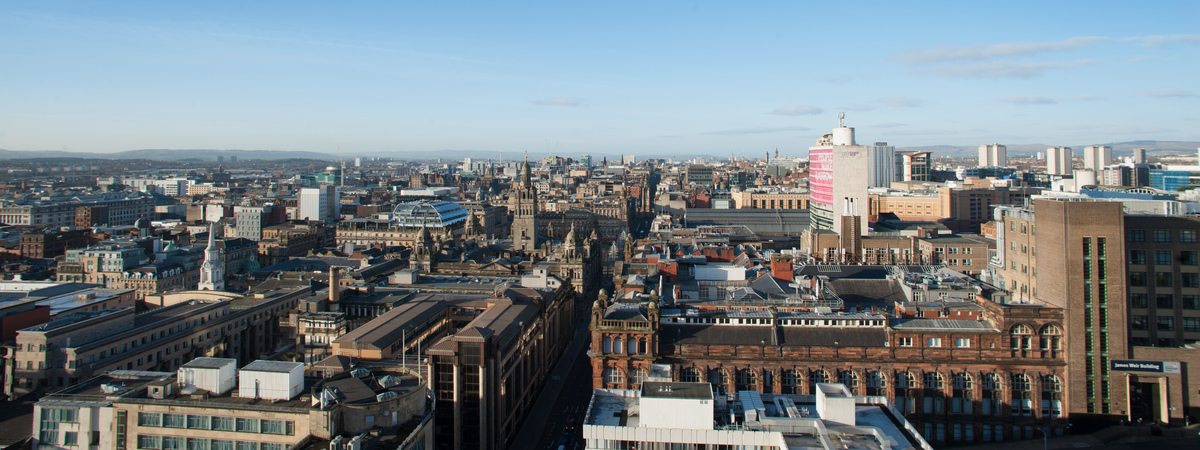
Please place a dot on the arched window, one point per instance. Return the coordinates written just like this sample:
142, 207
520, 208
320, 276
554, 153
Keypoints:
746, 379
608, 345
876, 382
963, 381
633, 346
960, 401
1050, 383
1020, 336
814, 377
690, 375
717, 377
617, 345
637, 377
1051, 337
848, 378
642, 346
905, 400
819, 376
613, 375
1022, 404
991, 382
933, 380
1051, 396
1020, 382
791, 382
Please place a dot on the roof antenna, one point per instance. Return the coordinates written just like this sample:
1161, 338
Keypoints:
841, 118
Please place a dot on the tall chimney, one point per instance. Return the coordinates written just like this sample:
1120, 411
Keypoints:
781, 267
335, 290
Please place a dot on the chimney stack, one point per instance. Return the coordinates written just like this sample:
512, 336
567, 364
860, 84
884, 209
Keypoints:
335, 289
781, 267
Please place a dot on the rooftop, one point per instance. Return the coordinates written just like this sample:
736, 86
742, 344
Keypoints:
205, 362
698, 391
793, 422
272, 366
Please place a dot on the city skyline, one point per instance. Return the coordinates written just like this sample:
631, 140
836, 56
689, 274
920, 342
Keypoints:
662, 79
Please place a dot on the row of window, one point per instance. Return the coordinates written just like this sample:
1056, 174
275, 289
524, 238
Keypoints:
965, 432
1186, 236
755, 321
148, 441
216, 423
1032, 229
69, 438
1051, 407
1019, 382
935, 342
1164, 258
1165, 323
1165, 279
1139, 300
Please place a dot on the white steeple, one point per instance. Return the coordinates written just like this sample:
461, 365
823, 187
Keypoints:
212, 273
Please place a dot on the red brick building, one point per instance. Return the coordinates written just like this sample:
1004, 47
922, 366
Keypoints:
998, 375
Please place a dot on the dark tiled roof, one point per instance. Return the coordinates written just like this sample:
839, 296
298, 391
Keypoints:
625, 311
866, 292
941, 324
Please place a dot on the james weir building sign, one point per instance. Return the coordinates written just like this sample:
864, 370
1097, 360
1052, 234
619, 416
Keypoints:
1146, 366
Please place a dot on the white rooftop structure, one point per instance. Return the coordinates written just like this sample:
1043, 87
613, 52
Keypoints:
215, 375
671, 413
271, 380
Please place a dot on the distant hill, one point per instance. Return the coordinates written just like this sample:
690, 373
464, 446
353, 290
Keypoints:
169, 155
1153, 148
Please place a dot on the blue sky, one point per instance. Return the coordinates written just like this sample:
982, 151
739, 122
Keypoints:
599, 77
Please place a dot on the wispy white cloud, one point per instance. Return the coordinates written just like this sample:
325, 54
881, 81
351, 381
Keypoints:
1028, 100
996, 51
797, 110
1165, 40
901, 102
1008, 69
889, 125
1088, 98
755, 130
1168, 93
560, 101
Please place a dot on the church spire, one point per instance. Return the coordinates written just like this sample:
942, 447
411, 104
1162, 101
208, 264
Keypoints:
212, 272
526, 177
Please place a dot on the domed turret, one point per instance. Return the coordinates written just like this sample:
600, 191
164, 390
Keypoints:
571, 239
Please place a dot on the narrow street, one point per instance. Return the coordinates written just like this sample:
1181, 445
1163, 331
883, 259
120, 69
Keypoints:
565, 397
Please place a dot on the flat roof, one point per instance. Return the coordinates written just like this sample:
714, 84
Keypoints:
205, 362
391, 326
272, 366
875, 427
76, 317
695, 391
